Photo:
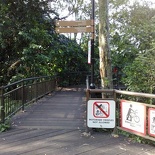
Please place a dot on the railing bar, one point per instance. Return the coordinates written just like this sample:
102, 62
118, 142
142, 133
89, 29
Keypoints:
27, 79
102, 98
101, 90
12, 91
135, 94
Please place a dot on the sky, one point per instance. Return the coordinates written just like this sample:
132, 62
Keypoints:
72, 17
152, 1
65, 12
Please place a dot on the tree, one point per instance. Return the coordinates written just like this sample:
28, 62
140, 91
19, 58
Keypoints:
104, 48
29, 44
132, 33
24, 33
140, 75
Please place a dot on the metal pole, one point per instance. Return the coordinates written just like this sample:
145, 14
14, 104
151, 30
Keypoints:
92, 85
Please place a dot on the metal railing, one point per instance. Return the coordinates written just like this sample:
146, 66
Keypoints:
118, 96
16, 96
72, 78
147, 101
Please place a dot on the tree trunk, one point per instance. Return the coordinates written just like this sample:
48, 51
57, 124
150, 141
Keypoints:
104, 49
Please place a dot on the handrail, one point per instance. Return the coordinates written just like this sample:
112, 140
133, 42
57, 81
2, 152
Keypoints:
17, 95
26, 79
101, 90
117, 99
134, 93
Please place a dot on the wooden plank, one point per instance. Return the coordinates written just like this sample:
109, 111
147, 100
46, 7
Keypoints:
29, 140
74, 29
75, 23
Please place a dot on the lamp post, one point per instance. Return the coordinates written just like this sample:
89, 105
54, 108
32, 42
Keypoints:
92, 85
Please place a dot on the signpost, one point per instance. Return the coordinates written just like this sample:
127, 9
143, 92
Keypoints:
92, 85
73, 29
76, 23
89, 52
101, 114
80, 26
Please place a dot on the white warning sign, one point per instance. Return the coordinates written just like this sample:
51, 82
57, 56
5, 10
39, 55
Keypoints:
133, 117
151, 123
101, 114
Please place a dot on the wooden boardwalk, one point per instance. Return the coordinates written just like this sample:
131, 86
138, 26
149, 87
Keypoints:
55, 125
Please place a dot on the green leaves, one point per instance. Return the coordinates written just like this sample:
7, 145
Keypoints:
132, 45
5, 126
28, 36
140, 75
24, 35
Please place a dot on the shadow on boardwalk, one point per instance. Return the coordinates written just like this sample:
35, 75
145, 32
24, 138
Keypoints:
55, 125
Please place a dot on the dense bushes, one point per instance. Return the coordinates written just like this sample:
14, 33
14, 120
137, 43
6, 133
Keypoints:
29, 44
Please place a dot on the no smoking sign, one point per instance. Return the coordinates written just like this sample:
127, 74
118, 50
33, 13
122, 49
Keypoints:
101, 114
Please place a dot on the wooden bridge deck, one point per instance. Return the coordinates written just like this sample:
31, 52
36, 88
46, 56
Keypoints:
55, 125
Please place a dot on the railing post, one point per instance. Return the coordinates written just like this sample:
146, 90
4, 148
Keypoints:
87, 98
115, 99
87, 82
87, 94
36, 90
54, 83
2, 105
23, 98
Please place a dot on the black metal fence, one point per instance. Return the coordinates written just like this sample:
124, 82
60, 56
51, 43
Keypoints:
72, 78
16, 96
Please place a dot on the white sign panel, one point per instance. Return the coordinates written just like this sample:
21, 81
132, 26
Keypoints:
133, 117
151, 123
89, 52
101, 114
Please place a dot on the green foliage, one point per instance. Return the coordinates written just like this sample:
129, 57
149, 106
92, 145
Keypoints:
132, 32
69, 60
140, 75
135, 138
30, 46
5, 126
22, 27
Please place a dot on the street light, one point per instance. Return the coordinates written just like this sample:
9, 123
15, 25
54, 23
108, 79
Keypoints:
92, 85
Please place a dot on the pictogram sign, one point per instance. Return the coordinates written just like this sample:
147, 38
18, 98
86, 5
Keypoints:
101, 113
101, 109
133, 117
151, 122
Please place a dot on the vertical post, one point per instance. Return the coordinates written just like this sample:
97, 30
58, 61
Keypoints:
115, 99
92, 85
2, 105
87, 82
36, 90
23, 97
87, 98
